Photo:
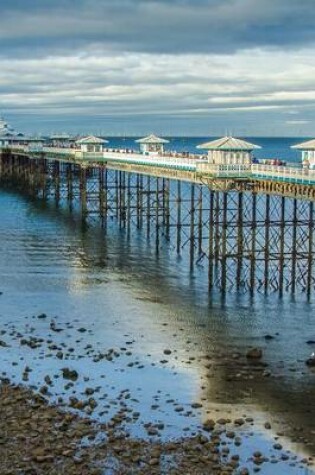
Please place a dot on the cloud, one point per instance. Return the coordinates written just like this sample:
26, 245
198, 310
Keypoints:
297, 122
191, 26
189, 61
127, 85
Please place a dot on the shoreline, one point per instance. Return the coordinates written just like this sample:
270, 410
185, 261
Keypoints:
38, 437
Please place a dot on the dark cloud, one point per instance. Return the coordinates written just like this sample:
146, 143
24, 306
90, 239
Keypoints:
195, 63
161, 26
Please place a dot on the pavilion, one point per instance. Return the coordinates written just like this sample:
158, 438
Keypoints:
91, 144
152, 144
229, 151
308, 152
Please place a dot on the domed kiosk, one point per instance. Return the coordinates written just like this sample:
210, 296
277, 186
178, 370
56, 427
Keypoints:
229, 151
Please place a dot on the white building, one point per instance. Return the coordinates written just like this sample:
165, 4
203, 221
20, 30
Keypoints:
152, 144
308, 152
91, 144
229, 151
7, 134
60, 140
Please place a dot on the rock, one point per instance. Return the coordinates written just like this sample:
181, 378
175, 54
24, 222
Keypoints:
3, 344
311, 361
222, 421
209, 425
267, 425
254, 353
196, 405
89, 391
44, 458
269, 337
239, 422
277, 446
167, 352
69, 374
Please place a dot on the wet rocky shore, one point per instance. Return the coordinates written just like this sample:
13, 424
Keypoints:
38, 438
67, 424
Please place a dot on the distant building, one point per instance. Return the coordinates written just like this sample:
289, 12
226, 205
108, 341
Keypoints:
308, 152
152, 144
7, 134
229, 151
61, 140
91, 144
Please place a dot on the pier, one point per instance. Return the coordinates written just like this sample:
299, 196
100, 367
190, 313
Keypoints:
249, 226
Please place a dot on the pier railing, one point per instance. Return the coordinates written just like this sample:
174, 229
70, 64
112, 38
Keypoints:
223, 171
289, 173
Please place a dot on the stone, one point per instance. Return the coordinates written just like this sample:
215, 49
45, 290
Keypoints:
311, 361
254, 353
70, 374
167, 352
239, 422
277, 446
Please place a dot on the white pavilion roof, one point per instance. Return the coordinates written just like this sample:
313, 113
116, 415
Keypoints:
229, 143
309, 145
91, 139
152, 139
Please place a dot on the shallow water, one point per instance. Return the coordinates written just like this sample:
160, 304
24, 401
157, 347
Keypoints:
129, 299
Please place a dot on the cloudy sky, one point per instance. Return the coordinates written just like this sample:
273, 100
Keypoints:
197, 67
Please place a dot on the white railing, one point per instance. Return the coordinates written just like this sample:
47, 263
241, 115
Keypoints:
59, 150
159, 161
283, 172
232, 170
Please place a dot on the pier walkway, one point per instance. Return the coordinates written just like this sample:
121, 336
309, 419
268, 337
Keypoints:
290, 173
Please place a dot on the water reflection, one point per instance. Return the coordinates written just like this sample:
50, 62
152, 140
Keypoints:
116, 282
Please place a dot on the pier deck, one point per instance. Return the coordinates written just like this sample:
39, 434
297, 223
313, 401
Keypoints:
289, 180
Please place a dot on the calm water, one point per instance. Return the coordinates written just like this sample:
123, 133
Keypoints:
129, 299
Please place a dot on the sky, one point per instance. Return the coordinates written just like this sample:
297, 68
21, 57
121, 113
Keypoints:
173, 67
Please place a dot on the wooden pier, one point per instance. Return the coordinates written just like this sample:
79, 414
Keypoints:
250, 227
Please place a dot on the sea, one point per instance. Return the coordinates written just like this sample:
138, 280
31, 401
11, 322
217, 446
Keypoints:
176, 342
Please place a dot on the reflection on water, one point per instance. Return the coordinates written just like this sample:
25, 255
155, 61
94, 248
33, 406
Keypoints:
123, 293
